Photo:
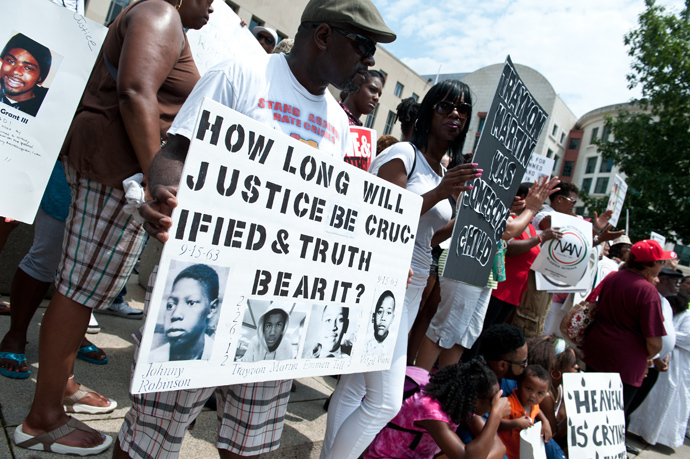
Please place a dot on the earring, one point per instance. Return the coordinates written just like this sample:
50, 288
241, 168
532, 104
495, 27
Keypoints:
179, 4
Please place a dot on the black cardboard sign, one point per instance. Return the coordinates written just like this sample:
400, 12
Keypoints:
510, 135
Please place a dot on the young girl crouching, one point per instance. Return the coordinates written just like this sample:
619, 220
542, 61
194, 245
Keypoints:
428, 419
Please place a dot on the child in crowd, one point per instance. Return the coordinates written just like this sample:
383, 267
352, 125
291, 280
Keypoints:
533, 386
427, 420
553, 406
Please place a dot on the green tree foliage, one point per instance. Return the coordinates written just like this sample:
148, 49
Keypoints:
652, 146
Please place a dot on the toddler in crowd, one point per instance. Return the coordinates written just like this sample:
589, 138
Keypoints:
533, 386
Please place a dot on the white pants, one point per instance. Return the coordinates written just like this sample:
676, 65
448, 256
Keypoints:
352, 422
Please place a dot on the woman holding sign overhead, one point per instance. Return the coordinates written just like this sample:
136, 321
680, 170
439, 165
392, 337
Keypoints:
143, 75
441, 128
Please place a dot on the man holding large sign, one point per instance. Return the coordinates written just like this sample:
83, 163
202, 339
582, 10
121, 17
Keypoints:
334, 45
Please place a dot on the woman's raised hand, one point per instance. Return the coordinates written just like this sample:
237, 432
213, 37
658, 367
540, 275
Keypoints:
454, 180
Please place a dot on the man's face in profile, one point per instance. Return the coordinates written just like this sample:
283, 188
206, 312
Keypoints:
384, 317
332, 328
273, 329
20, 73
187, 311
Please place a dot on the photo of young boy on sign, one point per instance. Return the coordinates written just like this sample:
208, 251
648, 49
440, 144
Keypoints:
186, 325
381, 319
330, 333
271, 330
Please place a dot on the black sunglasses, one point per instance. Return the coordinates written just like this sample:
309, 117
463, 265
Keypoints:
365, 46
446, 107
268, 39
523, 364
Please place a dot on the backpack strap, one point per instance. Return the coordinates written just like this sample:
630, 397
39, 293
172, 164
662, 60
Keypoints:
418, 434
414, 162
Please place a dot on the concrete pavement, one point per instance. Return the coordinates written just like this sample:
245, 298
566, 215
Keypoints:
305, 422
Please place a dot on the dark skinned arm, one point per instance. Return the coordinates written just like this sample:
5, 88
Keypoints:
547, 407
533, 202
165, 173
481, 446
517, 247
452, 182
498, 449
653, 345
443, 234
153, 42
546, 431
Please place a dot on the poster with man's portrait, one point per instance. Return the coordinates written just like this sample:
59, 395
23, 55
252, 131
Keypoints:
47, 53
187, 322
271, 330
331, 332
379, 341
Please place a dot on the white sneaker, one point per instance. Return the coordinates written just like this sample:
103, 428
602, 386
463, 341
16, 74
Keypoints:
122, 309
93, 325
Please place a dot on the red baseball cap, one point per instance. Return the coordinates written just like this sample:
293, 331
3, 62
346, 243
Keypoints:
650, 250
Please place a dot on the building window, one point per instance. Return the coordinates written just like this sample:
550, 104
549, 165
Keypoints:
549, 153
586, 185
554, 130
233, 6
568, 168
591, 165
574, 144
415, 97
562, 137
606, 165
602, 184
605, 134
480, 126
390, 121
114, 10
371, 117
398, 89
255, 22
580, 211
555, 162
595, 133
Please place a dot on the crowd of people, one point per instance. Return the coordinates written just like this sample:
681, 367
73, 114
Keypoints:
484, 361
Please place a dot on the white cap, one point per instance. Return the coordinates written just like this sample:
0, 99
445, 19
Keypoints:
271, 32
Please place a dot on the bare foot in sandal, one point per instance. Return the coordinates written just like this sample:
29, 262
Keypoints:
79, 437
80, 399
97, 355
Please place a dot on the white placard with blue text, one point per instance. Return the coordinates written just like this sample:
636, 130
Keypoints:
564, 261
292, 235
31, 135
596, 420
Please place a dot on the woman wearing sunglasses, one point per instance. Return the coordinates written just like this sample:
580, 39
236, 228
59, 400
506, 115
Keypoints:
364, 403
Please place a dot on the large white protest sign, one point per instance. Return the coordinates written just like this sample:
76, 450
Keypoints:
617, 198
299, 263
658, 237
532, 443
363, 147
221, 38
596, 420
61, 47
564, 261
538, 167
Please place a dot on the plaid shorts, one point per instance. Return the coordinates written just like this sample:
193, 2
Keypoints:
101, 243
251, 416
